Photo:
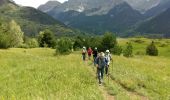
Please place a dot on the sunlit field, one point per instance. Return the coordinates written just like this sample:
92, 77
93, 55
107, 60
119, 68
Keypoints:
39, 74
36, 74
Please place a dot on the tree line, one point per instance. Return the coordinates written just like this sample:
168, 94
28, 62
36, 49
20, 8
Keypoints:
11, 35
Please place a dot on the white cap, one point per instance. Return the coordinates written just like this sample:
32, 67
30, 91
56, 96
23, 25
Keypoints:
95, 48
84, 47
107, 51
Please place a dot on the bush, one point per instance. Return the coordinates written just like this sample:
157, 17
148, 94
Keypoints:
79, 43
152, 50
108, 41
128, 51
46, 38
64, 46
117, 50
32, 43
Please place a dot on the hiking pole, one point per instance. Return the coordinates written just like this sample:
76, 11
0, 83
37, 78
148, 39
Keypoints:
108, 75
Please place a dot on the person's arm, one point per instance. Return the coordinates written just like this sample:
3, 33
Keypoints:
97, 62
110, 57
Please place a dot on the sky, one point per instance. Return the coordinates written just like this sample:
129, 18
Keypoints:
33, 3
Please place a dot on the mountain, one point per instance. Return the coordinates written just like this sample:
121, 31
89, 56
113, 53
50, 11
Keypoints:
143, 5
161, 7
101, 6
49, 6
160, 24
31, 20
105, 6
119, 19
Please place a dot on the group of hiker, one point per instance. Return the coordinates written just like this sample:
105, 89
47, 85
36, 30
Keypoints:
100, 59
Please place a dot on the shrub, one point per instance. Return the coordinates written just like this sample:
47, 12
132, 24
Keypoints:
46, 38
108, 41
79, 43
117, 50
32, 43
128, 51
152, 50
64, 46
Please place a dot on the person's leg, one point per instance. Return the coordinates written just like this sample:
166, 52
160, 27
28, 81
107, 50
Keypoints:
102, 73
94, 60
99, 75
107, 69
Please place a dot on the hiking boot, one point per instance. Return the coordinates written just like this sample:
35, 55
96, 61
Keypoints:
102, 81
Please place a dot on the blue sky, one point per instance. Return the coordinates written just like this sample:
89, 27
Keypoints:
33, 3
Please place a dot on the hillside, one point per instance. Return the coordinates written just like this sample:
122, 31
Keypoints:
158, 25
31, 20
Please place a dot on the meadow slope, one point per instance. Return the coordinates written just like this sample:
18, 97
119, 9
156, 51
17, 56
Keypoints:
36, 74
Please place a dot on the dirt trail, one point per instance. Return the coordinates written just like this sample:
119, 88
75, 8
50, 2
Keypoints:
102, 88
105, 94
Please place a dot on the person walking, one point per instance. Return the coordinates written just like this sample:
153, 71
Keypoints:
100, 64
95, 54
84, 53
89, 51
108, 59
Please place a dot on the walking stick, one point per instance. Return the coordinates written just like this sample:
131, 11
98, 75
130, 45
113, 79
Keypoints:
108, 75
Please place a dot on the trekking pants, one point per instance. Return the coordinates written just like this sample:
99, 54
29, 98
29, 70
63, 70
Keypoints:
100, 72
94, 58
84, 57
107, 70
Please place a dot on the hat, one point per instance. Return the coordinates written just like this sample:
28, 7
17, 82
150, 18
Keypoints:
107, 51
84, 47
95, 48
102, 54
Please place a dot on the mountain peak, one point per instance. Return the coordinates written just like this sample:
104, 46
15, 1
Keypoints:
49, 5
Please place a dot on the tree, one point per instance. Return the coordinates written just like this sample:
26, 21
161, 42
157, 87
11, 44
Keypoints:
64, 46
152, 49
79, 43
46, 38
16, 34
11, 35
128, 51
108, 41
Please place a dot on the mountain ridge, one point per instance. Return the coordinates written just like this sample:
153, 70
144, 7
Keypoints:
31, 20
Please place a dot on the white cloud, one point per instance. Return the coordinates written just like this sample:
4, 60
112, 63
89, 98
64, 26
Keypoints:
33, 3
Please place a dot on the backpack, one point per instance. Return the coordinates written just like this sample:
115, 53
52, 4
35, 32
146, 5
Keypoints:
101, 62
83, 51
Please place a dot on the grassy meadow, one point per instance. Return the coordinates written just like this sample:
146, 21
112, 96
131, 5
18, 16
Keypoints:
37, 74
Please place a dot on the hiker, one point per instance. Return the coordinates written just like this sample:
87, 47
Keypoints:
90, 51
95, 53
100, 64
84, 53
108, 59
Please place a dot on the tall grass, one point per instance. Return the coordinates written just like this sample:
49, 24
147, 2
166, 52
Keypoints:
31, 74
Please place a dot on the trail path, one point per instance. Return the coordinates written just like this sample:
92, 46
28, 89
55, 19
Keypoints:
102, 88
108, 96
105, 94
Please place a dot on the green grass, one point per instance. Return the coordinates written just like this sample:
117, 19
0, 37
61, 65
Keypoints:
31, 74
141, 74
163, 45
37, 74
